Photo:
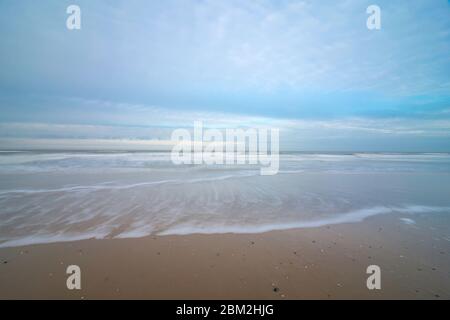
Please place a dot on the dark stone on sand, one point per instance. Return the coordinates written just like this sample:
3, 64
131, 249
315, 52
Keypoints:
275, 289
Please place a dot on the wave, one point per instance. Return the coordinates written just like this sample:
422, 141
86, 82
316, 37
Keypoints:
105, 186
348, 217
103, 232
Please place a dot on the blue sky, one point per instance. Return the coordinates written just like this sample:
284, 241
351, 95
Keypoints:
138, 69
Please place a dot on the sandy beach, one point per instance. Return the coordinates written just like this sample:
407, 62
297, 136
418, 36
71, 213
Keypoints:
227, 150
326, 263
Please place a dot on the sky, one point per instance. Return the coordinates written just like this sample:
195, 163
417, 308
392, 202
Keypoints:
139, 69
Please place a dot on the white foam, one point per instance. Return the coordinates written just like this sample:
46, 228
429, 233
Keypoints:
349, 217
142, 230
408, 221
104, 186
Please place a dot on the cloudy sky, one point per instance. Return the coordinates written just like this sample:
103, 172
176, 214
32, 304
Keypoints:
138, 69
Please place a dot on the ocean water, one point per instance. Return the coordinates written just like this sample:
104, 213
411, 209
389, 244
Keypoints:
63, 196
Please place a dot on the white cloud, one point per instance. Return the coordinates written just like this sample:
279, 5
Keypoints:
241, 45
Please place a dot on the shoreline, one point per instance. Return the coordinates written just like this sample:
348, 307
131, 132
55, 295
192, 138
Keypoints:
327, 262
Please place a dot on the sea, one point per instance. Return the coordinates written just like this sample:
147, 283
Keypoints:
55, 196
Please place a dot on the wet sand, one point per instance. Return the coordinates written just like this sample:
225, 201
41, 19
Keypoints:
325, 263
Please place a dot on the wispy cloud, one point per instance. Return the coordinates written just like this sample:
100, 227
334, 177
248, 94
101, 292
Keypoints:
234, 45
137, 69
